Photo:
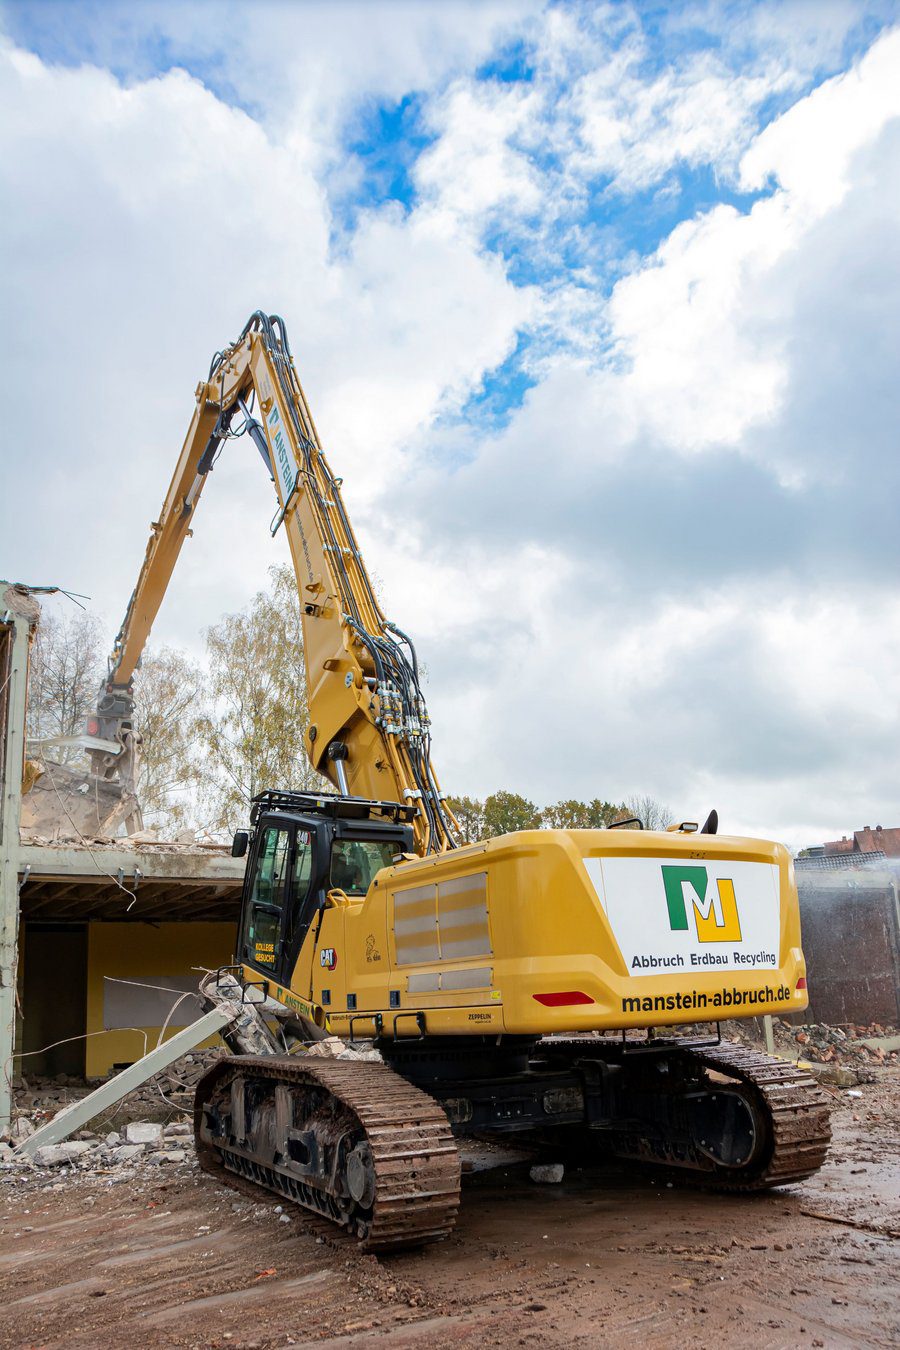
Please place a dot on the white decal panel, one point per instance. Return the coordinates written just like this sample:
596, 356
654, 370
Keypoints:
671, 917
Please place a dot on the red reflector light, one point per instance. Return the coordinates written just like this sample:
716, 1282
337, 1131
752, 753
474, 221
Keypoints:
93, 727
565, 1000
801, 983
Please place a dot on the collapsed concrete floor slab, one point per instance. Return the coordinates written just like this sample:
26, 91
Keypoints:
120, 879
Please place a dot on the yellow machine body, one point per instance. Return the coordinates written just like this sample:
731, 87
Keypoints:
559, 931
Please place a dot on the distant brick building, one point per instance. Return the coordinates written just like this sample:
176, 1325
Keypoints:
863, 848
866, 842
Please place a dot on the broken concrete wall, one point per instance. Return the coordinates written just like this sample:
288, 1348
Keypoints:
851, 940
63, 801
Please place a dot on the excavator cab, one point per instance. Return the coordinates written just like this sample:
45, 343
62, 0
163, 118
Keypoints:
301, 848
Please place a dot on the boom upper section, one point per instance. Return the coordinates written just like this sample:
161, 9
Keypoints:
369, 730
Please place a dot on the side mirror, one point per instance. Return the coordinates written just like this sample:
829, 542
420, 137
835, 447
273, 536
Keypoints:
240, 843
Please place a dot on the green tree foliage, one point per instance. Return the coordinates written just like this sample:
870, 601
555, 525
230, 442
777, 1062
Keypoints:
66, 669
470, 814
252, 737
168, 689
505, 812
575, 815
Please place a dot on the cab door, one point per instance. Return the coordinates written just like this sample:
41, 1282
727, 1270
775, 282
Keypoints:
267, 898
303, 914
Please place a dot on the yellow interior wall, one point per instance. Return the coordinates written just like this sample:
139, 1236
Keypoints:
138, 951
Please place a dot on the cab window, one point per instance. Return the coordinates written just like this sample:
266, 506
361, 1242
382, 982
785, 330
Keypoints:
354, 863
262, 940
302, 865
271, 869
301, 910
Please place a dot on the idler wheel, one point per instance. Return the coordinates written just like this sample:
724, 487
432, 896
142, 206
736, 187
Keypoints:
360, 1175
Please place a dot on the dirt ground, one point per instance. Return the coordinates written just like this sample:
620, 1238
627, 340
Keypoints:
164, 1256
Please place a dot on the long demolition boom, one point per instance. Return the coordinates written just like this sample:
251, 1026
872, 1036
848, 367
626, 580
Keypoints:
369, 730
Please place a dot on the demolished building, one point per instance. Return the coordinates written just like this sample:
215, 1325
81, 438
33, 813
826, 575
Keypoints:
100, 938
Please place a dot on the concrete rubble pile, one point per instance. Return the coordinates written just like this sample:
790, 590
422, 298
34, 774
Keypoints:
850, 1045
151, 1124
841, 1056
872, 1045
147, 841
116, 1154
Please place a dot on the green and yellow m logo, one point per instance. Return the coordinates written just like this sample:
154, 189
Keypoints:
715, 912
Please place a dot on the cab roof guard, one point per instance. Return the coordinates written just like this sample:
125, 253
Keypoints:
330, 804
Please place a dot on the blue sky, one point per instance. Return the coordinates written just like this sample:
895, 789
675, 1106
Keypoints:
597, 309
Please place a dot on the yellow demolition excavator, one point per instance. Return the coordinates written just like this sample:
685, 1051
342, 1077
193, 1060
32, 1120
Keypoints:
510, 987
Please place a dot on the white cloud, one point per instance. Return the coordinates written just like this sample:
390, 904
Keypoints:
473, 169
660, 574
809, 150
736, 698
301, 68
698, 324
701, 373
429, 314
751, 673
635, 130
146, 223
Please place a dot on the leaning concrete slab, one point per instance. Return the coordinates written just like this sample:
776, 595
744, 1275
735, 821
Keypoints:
77, 1115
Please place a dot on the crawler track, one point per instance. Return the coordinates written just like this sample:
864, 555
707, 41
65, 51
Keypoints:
790, 1111
251, 1112
796, 1109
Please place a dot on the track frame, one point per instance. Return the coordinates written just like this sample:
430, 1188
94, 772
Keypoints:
293, 1123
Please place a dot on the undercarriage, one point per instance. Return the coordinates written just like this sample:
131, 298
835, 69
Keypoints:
375, 1146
